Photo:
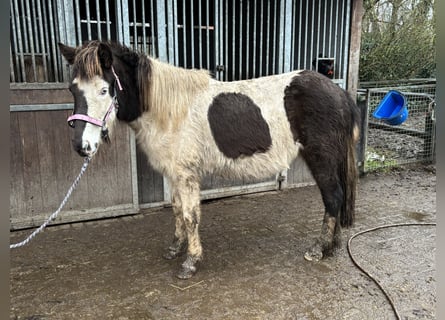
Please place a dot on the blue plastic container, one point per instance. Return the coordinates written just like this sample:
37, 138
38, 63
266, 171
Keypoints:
392, 109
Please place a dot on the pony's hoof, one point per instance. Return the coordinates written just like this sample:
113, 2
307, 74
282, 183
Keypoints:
313, 255
188, 267
186, 273
170, 255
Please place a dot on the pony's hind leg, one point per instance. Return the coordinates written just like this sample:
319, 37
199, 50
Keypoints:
332, 195
327, 241
324, 119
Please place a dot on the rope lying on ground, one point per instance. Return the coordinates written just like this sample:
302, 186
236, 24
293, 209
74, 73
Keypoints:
54, 215
391, 302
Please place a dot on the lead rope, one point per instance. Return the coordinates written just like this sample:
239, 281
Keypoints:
54, 215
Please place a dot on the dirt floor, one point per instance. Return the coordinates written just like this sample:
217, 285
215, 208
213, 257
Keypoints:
253, 266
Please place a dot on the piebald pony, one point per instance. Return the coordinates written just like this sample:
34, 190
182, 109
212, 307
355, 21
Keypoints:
191, 125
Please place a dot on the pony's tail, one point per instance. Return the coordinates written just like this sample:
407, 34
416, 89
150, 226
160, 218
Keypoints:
349, 176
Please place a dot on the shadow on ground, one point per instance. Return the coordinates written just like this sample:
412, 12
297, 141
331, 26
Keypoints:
253, 266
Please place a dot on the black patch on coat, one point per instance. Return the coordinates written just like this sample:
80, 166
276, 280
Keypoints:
319, 111
238, 126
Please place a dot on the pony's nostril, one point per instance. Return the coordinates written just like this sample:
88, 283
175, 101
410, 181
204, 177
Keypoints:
86, 146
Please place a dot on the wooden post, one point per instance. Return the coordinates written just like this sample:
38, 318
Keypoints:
354, 49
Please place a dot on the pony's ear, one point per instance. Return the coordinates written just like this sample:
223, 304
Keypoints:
67, 52
105, 56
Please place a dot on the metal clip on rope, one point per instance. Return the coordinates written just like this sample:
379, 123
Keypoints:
55, 214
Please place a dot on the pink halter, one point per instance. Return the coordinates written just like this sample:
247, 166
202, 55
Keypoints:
97, 122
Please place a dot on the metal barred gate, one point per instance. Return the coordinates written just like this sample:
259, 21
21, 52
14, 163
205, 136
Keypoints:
233, 39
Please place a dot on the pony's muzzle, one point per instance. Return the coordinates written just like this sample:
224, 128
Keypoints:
84, 148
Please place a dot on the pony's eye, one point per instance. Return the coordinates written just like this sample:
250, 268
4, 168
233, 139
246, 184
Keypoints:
103, 91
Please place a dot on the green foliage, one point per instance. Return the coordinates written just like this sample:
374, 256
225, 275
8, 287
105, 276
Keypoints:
398, 40
379, 160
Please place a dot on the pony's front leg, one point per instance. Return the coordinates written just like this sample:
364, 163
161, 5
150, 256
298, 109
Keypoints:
179, 243
188, 190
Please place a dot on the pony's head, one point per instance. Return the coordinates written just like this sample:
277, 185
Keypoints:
100, 95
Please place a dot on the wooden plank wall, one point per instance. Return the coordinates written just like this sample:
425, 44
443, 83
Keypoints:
217, 182
299, 174
150, 182
43, 166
